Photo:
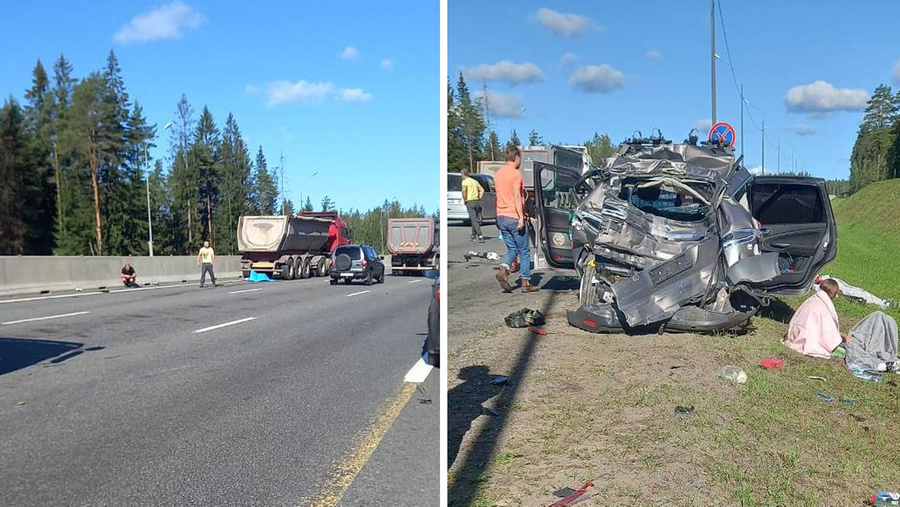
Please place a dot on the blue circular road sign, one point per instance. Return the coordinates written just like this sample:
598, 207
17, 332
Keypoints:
722, 132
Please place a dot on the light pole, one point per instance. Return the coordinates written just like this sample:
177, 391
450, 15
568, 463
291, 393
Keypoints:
763, 138
712, 55
779, 154
311, 176
149, 220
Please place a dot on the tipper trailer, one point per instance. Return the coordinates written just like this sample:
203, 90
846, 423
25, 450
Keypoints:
414, 245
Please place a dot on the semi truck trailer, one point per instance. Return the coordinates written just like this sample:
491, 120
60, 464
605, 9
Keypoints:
414, 245
289, 247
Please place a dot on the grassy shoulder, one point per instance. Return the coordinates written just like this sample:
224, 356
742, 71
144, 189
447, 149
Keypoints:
869, 239
601, 408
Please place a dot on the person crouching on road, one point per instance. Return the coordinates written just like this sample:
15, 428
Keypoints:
511, 220
814, 329
205, 259
129, 277
472, 192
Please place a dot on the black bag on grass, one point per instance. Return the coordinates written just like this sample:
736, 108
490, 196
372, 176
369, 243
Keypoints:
525, 317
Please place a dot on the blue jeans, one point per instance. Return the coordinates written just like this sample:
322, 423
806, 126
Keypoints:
516, 243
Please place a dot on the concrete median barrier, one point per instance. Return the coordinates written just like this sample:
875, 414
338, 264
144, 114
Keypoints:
24, 275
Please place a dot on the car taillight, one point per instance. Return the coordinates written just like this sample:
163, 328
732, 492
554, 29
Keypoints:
365, 263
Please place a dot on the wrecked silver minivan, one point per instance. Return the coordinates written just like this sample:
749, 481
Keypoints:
680, 236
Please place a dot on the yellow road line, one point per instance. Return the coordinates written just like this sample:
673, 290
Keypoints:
345, 470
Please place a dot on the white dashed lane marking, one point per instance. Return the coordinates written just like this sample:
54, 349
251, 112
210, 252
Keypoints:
219, 326
43, 318
358, 293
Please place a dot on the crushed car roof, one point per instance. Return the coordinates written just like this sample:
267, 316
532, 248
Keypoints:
711, 162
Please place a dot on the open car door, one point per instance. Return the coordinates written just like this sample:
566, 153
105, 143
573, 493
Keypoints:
797, 222
557, 192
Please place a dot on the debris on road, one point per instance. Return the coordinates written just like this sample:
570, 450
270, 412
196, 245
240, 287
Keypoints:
500, 381
864, 374
256, 276
491, 256
575, 496
771, 363
424, 401
825, 397
684, 410
526, 317
733, 374
816, 377
537, 330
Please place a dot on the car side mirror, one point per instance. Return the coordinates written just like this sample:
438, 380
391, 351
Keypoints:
432, 274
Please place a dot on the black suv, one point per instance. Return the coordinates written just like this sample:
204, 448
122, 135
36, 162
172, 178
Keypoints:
356, 262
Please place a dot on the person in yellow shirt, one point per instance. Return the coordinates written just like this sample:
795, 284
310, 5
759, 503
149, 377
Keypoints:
472, 192
205, 259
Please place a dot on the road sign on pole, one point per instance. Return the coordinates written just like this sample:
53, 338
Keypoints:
722, 133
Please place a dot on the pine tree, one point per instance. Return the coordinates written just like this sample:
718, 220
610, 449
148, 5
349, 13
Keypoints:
494, 146
327, 204
600, 147
204, 157
183, 180
38, 181
472, 124
514, 139
288, 207
456, 151
265, 187
63, 87
13, 166
307, 206
234, 185
535, 139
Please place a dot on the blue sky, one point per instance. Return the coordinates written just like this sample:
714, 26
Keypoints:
351, 92
807, 68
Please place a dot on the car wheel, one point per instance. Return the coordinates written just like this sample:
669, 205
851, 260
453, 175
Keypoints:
381, 278
369, 278
332, 281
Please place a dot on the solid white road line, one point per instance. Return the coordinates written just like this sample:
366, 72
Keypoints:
245, 290
419, 372
43, 318
218, 326
415, 281
108, 291
358, 293
39, 298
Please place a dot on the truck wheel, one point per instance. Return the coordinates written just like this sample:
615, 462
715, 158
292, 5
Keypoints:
287, 271
321, 267
245, 274
304, 268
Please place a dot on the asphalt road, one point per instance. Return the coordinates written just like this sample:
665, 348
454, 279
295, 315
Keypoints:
284, 393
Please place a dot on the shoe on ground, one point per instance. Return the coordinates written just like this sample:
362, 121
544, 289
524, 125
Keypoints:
481, 239
503, 278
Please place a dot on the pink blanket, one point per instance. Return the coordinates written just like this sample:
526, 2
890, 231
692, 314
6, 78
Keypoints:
814, 328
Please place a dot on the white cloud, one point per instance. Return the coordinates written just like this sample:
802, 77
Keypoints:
387, 64
166, 22
569, 59
251, 90
597, 79
823, 97
349, 53
703, 126
502, 105
513, 73
654, 55
803, 130
562, 25
758, 170
896, 74
286, 92
353, 95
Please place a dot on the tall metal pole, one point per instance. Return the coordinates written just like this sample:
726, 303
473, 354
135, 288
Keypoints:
712, 54
742, 119
779, 155
149, 221
763, 138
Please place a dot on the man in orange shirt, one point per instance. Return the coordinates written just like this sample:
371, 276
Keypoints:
511, 219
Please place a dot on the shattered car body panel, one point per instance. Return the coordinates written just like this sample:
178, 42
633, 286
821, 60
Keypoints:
679, 235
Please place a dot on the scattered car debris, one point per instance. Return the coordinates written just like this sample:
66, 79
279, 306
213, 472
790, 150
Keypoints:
500, 381
733, 374
677, 366
526, 317
825, 397
20, 403
537, 330
816, 377
858, 418
848, 401
680, 235
864, 374
684, 410
771, 363
576, 496
424, 401
491, 256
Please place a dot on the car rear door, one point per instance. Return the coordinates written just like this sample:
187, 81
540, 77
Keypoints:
557, 193
797, 222
489, 199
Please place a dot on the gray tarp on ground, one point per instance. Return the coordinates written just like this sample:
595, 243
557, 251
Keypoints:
874, 341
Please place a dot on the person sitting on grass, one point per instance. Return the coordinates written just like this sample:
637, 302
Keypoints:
129, 277
814, 329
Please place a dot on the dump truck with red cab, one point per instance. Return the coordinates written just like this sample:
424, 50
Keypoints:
289, 247
414, 244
